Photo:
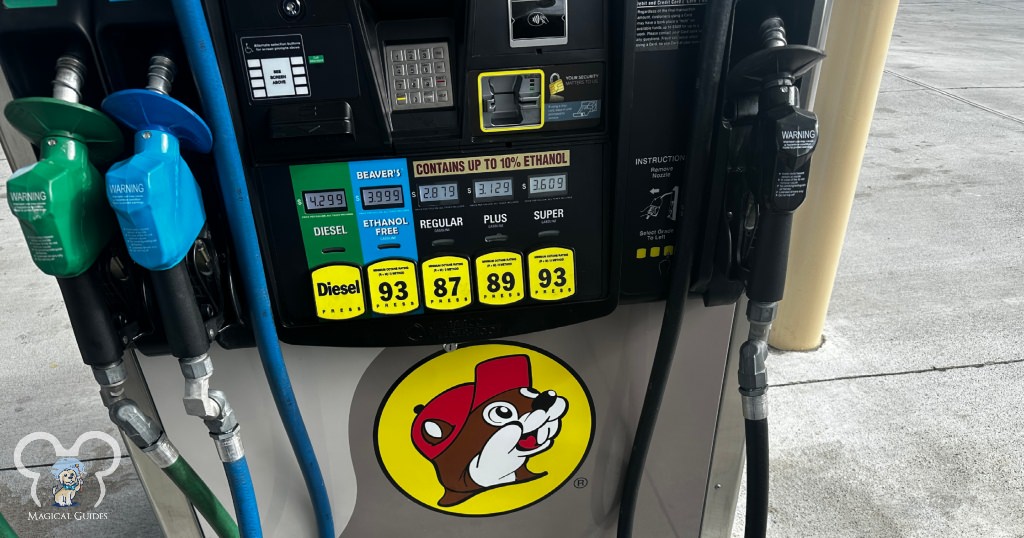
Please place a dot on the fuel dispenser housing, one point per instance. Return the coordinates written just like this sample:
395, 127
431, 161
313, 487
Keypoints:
432, 181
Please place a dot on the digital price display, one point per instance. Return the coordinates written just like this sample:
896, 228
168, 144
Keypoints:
387, 197
550, 185
331, 201
440, 193
493, 190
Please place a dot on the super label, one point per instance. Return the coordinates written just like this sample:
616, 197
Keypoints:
446, 284
338, 292
393, 287
499, 278
552, 273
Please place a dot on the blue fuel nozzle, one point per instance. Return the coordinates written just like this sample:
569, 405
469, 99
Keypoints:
155, 195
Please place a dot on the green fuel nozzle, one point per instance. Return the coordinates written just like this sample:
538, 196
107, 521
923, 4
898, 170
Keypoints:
60, 200
61, 204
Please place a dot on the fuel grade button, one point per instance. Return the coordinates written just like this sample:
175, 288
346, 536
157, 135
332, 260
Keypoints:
499, 278
552, 273
393, 287
338, 292
446, 283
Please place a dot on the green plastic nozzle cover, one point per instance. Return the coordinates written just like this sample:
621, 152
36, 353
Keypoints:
60, 200
62, 207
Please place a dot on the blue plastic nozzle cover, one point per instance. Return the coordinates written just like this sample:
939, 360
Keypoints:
154, 193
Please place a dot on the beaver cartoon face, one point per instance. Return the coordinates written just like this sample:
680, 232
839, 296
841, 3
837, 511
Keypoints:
481, 435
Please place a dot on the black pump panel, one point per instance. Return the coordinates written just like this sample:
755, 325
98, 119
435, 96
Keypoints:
436, 172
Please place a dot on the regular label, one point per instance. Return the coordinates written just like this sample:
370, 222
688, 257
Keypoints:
393, 287
552, 273
499, 278
338, 291
446, 284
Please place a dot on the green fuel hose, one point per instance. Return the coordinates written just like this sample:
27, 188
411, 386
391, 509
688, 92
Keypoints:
202, 498
5, 530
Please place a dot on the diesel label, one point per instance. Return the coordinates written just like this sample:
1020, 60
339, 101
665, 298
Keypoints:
327, 288
325, 231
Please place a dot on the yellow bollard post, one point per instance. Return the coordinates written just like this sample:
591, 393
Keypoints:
857, 43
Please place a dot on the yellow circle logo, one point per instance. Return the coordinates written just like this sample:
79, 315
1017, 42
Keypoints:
484, 430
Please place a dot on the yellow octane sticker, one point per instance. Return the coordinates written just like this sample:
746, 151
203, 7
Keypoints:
392, 287
499, 278
552, 273
338, 292
446, 284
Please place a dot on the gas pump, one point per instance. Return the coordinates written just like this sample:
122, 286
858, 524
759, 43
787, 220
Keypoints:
471, 230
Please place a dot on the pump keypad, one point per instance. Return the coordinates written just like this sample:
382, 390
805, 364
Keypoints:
418, 76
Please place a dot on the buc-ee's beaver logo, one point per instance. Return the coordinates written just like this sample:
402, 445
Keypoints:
484, 430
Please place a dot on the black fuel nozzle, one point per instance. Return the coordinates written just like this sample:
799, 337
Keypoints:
784, 137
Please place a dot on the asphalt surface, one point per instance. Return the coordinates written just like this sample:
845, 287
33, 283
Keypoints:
905, 423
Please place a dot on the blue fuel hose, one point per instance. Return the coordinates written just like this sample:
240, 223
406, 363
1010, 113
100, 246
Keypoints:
199, 46
243, 497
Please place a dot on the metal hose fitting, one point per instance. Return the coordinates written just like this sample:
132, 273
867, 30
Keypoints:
161, 74
67, 83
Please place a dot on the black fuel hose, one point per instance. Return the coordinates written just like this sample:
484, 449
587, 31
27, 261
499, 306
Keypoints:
757, 478
186, 332
97, 337
714, 42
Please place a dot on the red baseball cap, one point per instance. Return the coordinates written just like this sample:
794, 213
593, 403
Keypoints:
453, 406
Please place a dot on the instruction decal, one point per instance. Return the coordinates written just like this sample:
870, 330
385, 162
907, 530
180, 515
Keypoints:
276, 66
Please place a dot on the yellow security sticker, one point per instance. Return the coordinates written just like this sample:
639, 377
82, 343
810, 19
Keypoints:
338, 292
499, 278
393, 287
446, 284
552, 273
